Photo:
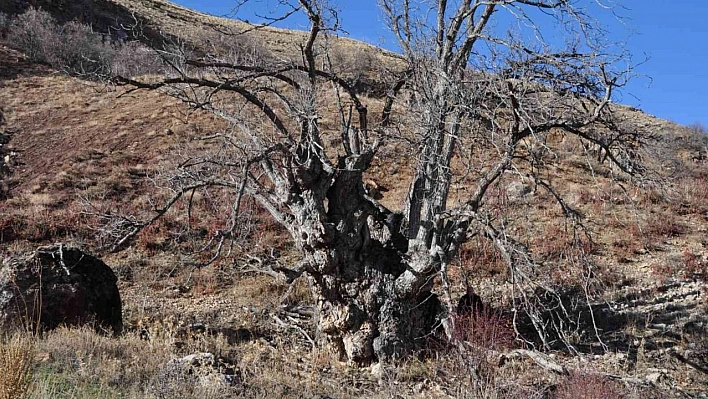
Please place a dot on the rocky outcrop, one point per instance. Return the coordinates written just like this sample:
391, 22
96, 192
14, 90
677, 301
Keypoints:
59, 285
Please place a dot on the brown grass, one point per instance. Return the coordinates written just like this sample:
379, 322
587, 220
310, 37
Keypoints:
16, 355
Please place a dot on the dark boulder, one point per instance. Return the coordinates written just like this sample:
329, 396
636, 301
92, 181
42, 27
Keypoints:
470, 304
59, 285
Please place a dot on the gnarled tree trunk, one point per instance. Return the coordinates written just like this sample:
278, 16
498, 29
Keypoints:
356, 253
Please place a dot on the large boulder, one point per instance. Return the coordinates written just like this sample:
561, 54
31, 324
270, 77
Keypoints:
59, 285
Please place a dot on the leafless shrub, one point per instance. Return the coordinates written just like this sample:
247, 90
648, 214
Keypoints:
171, 381
486, 329
81, 51
235, 47
694, 266
480, 257
692, 193
588, 386
134, 59
75, 47
699, 127
662, 226
34, 32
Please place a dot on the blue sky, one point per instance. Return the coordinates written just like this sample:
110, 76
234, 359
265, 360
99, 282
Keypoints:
673, 34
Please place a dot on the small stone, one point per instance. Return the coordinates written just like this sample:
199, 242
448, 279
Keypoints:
377, 370
517, 190
654, 378
198, 359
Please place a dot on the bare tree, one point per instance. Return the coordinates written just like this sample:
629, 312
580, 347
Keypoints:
483, 105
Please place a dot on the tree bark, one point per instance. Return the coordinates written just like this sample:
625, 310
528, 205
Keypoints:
362, 314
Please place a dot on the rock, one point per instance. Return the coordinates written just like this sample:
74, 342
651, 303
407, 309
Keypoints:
377, 370
59, 285
197, 360
205, 369
517, 190
654, 378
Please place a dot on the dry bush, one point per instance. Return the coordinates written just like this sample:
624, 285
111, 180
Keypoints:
20, 221
482, 335
625, 248
659, 227
234, 47
694, 266
76, 48
486, 329
588, 386
133, 59
665, 271
33, 32
81, 51
16, 355
171, 381
73, 47
692, 193
697, 139
209, 280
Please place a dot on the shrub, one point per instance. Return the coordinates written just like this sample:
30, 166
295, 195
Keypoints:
81, 51
16, 356
34, 32
72, 47
486, 329
133, 59
699, 127
588, 386
75, 48
694, 267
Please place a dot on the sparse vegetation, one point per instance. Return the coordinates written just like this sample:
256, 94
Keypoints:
87, 152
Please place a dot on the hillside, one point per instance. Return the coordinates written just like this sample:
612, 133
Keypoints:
83, 149
165, 23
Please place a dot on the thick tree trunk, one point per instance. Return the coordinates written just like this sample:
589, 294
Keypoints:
363, 312
362, 317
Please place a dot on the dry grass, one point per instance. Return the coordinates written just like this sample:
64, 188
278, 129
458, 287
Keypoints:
16, 355
200, 30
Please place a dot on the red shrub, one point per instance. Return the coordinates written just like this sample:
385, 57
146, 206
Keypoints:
485, 329
588, 386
